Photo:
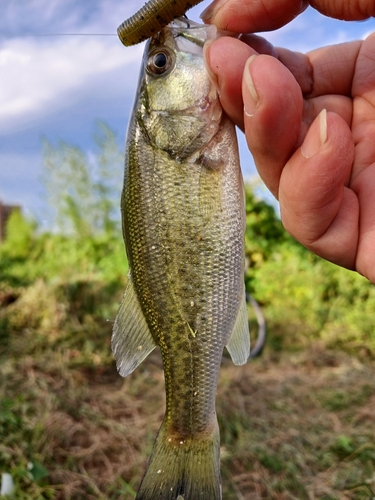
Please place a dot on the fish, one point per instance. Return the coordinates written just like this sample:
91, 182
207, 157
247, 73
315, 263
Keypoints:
183, 220
151, 18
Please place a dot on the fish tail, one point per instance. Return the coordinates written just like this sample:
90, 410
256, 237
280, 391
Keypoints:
183, 468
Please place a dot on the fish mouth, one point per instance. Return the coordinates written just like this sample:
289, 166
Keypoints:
182, 25
197, 34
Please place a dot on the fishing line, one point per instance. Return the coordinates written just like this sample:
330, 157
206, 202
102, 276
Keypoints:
66, 34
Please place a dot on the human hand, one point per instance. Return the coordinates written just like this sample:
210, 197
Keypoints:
249, 16
309, 122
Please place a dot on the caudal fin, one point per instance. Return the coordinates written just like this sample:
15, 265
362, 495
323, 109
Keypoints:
187, 469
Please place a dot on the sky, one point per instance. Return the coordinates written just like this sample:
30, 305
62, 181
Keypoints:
58, 86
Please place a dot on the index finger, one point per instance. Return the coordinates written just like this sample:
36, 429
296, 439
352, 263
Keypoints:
249, 16
242, 16
325, 71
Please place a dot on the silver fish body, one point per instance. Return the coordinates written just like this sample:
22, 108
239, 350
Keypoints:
183, 225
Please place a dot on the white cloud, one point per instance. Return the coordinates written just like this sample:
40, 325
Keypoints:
39, 77
19, 17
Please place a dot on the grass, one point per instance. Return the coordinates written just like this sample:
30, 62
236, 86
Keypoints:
285, 442
294, 424
298, 423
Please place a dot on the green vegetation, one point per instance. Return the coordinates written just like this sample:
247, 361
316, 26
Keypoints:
304, 297
298, 423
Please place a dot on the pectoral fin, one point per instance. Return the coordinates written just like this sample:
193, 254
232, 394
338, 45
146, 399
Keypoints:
239, 342
132, 341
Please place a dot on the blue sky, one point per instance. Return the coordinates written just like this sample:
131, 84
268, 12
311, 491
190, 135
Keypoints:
58, 86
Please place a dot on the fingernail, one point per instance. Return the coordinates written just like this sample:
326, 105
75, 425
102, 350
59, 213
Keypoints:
211, 10
250, 98
206, 56
316, 136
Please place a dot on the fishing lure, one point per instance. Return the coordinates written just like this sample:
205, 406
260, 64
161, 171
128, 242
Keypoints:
151, 18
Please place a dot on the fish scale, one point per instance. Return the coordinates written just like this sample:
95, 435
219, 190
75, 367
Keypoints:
183, 225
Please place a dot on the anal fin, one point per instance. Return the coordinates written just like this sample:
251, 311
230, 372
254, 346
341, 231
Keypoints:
239, 342
132, 341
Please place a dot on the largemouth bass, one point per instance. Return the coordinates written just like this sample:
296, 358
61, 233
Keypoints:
183, 225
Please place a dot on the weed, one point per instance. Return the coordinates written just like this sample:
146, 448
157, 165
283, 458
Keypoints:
296, 424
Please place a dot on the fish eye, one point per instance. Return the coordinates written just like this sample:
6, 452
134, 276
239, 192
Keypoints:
160, 61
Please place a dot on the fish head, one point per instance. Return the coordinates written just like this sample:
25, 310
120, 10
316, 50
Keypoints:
179, 106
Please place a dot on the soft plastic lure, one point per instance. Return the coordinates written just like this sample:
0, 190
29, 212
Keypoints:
151, 18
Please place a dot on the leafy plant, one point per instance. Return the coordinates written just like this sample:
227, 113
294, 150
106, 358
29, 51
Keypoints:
84, 190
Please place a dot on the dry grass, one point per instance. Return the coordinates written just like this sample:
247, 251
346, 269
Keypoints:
293, 425
299, 427
290, 429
